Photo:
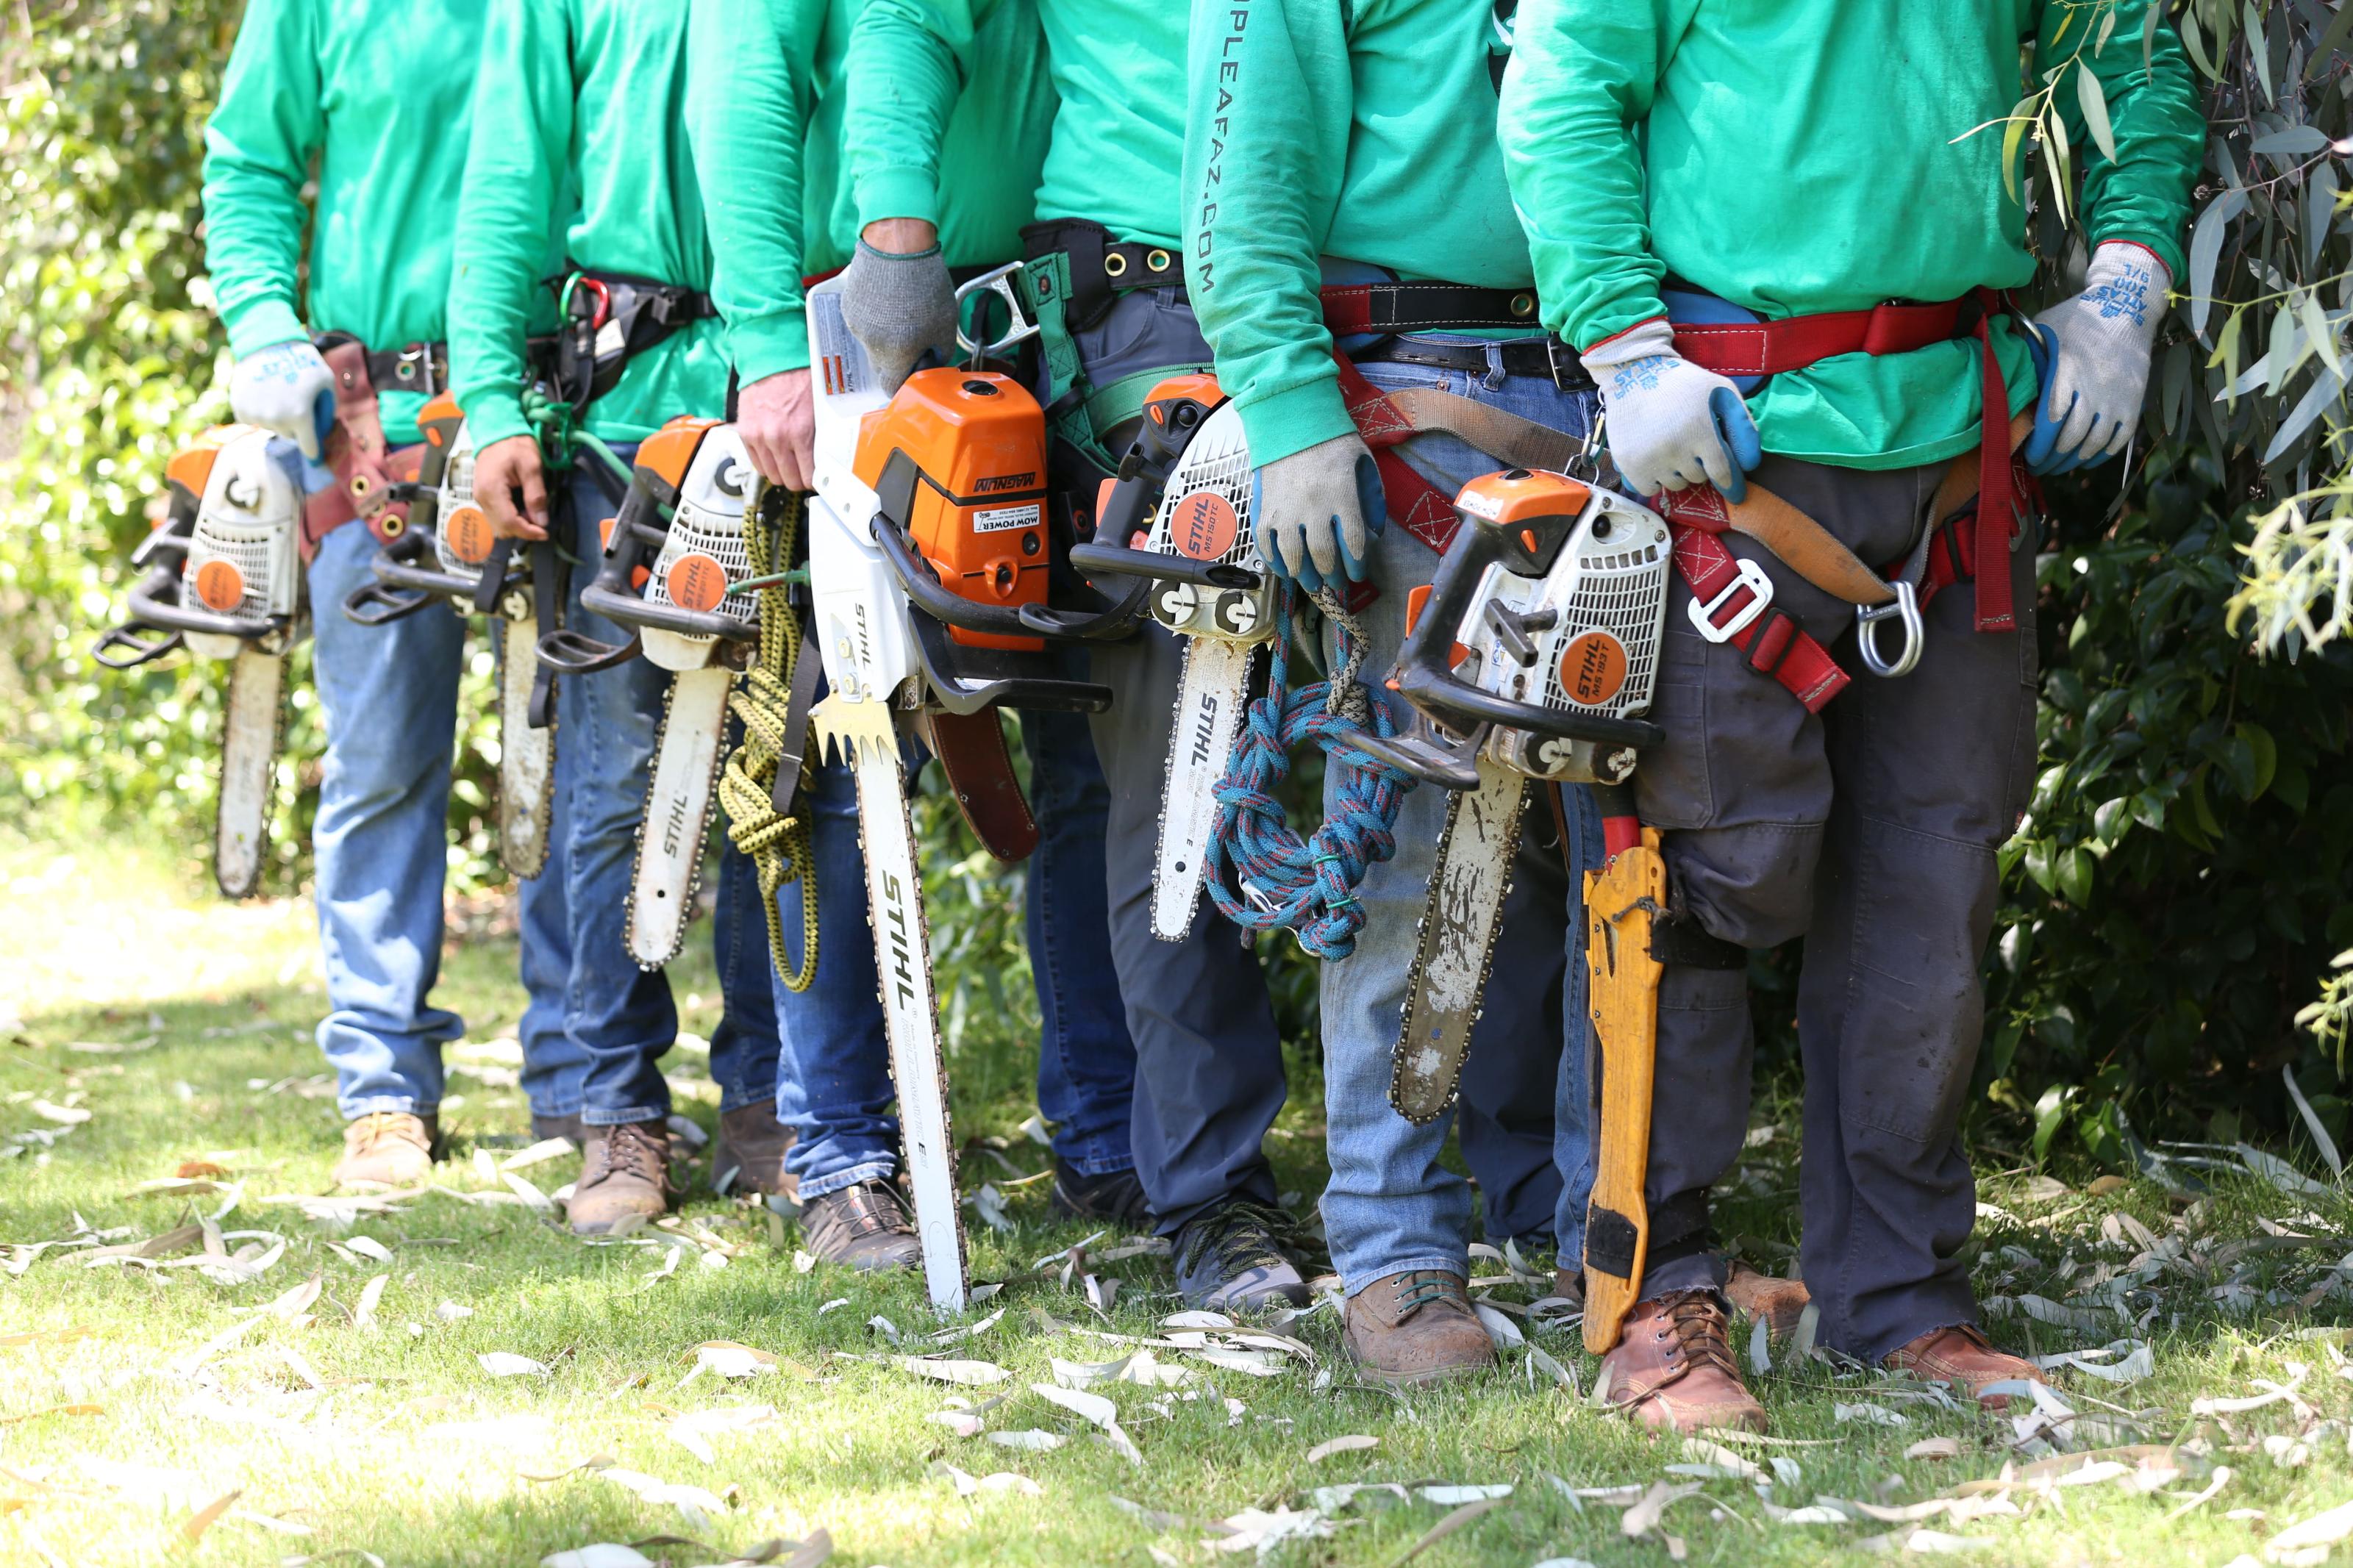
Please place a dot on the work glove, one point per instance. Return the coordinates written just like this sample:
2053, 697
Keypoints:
2098, 344
1671, 424
897, 306
286, 389
1317, 511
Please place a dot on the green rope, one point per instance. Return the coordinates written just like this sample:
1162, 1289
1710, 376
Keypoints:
778, 846
561, 440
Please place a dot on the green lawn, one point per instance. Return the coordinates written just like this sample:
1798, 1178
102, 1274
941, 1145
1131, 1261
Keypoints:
155, 1037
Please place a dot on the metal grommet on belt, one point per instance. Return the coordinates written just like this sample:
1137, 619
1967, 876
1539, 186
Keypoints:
1115, 263
1524, 304
1156, 260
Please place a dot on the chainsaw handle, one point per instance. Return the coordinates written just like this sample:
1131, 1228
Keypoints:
492, 582
634, 610
1114, 624
1427, 755
141, 650
1119, 561
156, 602
569, 652
924, 591
381, 604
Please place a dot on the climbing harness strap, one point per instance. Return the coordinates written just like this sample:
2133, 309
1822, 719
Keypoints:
611, 318
768, 773
1262, 876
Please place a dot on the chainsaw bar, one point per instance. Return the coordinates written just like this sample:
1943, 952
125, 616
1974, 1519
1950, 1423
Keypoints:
669, 860
1457, 940
1208, 716
253, 724
526, 756
864, 733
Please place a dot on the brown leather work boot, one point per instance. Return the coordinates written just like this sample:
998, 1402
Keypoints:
1780, 1302
1569, 1284
1960, 1356
386, 1149
748, 1155
627, 1174
543, 1128
1415, 1328
864, 1228
1673, 1367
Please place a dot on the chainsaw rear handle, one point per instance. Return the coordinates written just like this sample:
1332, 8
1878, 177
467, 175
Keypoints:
927, 593
569, 652
1119, 561
381, 604
632, 609
1114, 624
137, 649
156, 602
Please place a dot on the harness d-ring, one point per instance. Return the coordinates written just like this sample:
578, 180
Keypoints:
999, 282
1868, 618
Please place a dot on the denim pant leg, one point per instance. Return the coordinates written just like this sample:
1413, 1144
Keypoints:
744, 1048
621, 1016
1575, 1110
833, 1076
554, 1067
1086, 1059
1392, 1207
389, 695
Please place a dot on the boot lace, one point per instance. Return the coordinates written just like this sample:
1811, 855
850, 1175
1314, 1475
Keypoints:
377, 1127
1696, 1320
1423, 1288
630, 1149
1242, 1235
872, 1208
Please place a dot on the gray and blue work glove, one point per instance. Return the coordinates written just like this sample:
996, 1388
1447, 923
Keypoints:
1318, 511
898, 306
288, 390
1671, 424
2098, 345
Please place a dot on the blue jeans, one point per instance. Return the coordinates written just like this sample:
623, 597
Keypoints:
621, 1018
745, 1049
1391, 1206
833, 1086
390, 699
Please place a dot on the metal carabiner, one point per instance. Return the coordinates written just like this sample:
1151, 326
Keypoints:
1750, 577
999, 282
1868, 620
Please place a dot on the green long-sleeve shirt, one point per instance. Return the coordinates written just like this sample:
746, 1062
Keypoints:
579, 150
1118, 69
1798, 157
766, 91
380, 93
1315, 129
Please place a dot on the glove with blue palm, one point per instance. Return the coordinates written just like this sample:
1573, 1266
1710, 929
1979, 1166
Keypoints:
2097, 345
1671, 424
1318, 511
286, 389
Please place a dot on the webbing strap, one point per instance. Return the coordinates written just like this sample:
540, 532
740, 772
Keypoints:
1415, 504
1775, 642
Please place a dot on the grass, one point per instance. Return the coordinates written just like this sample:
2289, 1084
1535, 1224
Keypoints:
182, 1028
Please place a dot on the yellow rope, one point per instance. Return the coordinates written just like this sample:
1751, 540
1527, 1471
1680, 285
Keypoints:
778, 846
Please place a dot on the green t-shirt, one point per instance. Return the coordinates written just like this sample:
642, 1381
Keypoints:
380, 94
1362, 133
774, 101
579, 151
1801, 156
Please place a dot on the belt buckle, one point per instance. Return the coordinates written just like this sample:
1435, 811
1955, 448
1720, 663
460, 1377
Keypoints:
1869, 618
1553, 346
1750, 577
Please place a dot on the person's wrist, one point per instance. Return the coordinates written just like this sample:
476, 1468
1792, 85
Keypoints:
1653, 339
900, 237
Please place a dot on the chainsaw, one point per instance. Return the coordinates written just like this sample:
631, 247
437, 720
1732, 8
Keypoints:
225, 580
1532, 655
930, 550
447, 553
1188, 473
673, 559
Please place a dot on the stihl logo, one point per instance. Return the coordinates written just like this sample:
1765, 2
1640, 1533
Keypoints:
674, 826
1593, 668
894, 917
995, 482
1205, 728
1203, 525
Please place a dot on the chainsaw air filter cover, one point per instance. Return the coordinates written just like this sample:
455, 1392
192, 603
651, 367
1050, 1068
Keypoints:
242, 561
704, 552
1570, 614
958, 460
462, 540
1204, 515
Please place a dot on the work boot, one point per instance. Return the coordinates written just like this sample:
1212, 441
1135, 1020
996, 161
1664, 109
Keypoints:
1961, 1357
626, 1176
864, 1228
1229, 1260
1780, 1302
1673, 1367
748, 1155
1113, 1195
386, 1149
1414, 1328
543, 1128
1568, 1284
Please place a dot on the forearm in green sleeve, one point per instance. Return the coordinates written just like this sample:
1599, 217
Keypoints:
904, 70
1268, 114
506, 209
258, 148
2143, 195
745, 112
1576, 86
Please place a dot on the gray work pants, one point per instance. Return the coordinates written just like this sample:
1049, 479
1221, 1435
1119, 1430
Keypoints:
1870, 829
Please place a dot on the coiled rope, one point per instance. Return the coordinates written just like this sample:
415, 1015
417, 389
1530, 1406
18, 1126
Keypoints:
556, 423
1261, 874
777, 844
